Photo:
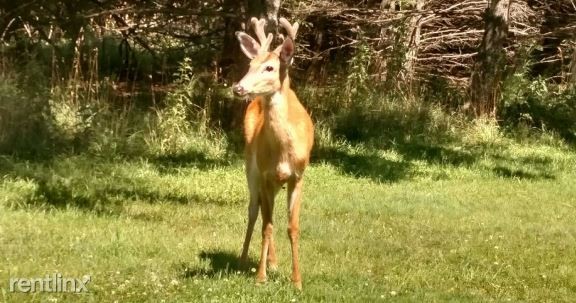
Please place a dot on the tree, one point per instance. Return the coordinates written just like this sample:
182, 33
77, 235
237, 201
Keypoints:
238, 15
488, 69
413, 42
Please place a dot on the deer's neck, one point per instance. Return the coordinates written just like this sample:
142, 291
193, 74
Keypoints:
276, 107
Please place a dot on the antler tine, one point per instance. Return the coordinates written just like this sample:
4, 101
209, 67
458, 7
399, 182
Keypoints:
261, 33
259, 29
291, 29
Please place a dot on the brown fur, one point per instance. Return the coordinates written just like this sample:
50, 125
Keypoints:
279, 136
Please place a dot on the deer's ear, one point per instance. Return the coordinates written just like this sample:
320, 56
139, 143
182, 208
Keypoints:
287, 50
248, 45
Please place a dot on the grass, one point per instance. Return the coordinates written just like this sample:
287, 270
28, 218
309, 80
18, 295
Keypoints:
474, 222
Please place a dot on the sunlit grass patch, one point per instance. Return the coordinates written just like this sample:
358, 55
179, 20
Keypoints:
469, 222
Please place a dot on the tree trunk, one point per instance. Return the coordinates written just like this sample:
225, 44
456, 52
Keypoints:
413, 41
488, 70
264, 9
380, 65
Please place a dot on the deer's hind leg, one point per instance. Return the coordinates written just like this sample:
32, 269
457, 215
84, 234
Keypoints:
294, 200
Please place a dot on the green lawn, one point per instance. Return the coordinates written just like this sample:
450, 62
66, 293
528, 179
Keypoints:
410, 224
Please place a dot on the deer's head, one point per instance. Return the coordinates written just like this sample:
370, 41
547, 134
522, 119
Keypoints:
268, 69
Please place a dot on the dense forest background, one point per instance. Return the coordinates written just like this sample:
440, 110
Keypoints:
153, 77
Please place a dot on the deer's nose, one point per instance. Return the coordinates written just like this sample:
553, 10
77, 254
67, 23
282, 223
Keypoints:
239, 89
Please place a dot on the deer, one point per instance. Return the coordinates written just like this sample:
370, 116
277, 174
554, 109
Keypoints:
279, 135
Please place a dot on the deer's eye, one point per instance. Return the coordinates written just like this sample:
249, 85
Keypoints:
269, 68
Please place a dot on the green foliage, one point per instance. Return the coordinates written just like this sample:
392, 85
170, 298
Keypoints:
181, 125
72, 113
173, 126
384, 121
78, 116
358, 79
535, 104
25, 121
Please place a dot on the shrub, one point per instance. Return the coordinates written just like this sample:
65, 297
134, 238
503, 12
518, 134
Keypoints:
536, 104
25, 121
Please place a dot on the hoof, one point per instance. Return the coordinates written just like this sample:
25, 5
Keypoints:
260, 280
297, 284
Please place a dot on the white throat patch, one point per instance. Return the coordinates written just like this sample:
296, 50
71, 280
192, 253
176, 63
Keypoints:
276, 99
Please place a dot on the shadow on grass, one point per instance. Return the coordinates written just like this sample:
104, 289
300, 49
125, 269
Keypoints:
142, 193
405, 128
364, 165
480, 156
435, 154
170, 163
512, 173
48, 188
528, 167
95, 185
422, 132
220, 263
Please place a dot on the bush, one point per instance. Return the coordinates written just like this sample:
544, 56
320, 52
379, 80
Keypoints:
25, 121
535, 104
181, 125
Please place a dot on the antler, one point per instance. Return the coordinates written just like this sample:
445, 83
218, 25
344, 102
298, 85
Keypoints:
291, 29
253, 48
261, 34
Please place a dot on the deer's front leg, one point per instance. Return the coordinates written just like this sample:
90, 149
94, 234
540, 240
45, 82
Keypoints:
252, 216
294, 199
253, 206
266, 207
268, 191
